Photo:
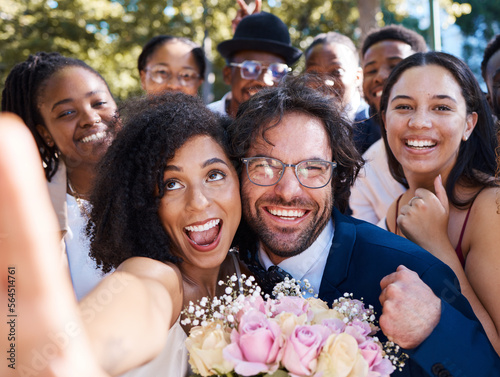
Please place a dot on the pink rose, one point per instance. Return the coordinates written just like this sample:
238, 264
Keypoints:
255, 346
359, 330
377, 365
292, 304
302, 348
335, 324
250, 302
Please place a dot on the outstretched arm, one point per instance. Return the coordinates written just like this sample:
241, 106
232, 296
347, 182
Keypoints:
121, 324
47, 336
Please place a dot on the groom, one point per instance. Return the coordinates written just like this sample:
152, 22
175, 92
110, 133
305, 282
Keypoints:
298, 163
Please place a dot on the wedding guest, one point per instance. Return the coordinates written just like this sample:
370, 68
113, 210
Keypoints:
375, 189
442, 147
259, 55
490, 70
47, 340
293, 221
72, 115
171, 63
335, 57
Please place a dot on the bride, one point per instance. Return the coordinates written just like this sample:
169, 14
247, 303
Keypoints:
166, 206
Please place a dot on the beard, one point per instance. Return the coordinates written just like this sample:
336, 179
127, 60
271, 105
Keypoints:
287, 242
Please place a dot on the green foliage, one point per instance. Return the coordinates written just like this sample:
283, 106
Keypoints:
109, 34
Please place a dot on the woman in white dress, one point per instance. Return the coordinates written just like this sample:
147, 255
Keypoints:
71, 113
165, 209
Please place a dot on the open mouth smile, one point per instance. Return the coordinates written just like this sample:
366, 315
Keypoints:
286, 214
94, 137
206, 235
420, 144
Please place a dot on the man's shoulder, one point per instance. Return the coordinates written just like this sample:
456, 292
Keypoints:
372, 241
220, 105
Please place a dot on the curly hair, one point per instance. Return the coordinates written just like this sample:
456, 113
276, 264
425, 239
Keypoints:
124, 220
475, 163
492, 47
156, 42
396, 32
265, 110
24, 87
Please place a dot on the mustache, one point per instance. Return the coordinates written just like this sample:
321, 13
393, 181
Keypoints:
279, 202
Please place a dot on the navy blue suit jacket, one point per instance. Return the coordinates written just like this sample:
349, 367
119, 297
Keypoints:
362, 254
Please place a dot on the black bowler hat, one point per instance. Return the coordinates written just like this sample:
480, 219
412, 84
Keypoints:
261, 32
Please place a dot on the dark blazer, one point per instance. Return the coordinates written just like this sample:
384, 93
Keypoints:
362, 254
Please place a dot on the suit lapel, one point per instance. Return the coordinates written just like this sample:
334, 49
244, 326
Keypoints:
337, 264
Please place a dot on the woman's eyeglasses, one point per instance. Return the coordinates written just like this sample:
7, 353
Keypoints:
161, 75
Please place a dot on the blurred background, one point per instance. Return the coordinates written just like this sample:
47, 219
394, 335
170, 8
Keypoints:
109, 34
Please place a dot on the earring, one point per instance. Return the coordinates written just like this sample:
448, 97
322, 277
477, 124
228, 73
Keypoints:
49, 142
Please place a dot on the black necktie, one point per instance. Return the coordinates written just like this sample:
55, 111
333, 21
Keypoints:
267, 279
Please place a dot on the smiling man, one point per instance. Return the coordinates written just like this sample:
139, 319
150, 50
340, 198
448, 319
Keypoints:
298, 164
259, 55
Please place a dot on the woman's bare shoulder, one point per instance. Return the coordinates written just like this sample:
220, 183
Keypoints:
147, 268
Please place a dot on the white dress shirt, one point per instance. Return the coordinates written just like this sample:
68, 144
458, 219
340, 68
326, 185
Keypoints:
310, 264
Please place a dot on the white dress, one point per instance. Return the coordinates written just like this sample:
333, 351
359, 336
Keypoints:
84, 272
172, 361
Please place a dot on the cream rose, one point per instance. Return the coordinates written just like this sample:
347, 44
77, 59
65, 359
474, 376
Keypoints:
289, 321
205, 345
341, 357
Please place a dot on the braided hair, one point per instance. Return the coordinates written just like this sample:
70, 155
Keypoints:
23, 89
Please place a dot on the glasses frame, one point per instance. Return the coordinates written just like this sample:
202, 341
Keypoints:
246, 160
261, 69
179, 78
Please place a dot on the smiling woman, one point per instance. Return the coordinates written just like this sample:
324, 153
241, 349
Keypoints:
173, 64
71, 113
441, 142
165, 210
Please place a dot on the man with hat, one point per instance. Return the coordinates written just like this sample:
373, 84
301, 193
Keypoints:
259, 54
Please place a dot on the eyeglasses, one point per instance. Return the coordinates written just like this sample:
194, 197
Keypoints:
267, 171
252, 69
161, 75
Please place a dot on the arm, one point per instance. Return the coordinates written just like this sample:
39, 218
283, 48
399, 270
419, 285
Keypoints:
121, 324
435, 324
129, 313
480, 282
47, 323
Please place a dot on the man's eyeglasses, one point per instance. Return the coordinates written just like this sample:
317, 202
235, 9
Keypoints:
161, 75
267, 171
252, 69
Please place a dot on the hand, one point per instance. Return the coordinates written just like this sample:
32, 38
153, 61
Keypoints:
244, 11
410, 310
49, 340
424, 220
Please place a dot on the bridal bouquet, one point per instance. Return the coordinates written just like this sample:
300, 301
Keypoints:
243, 333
